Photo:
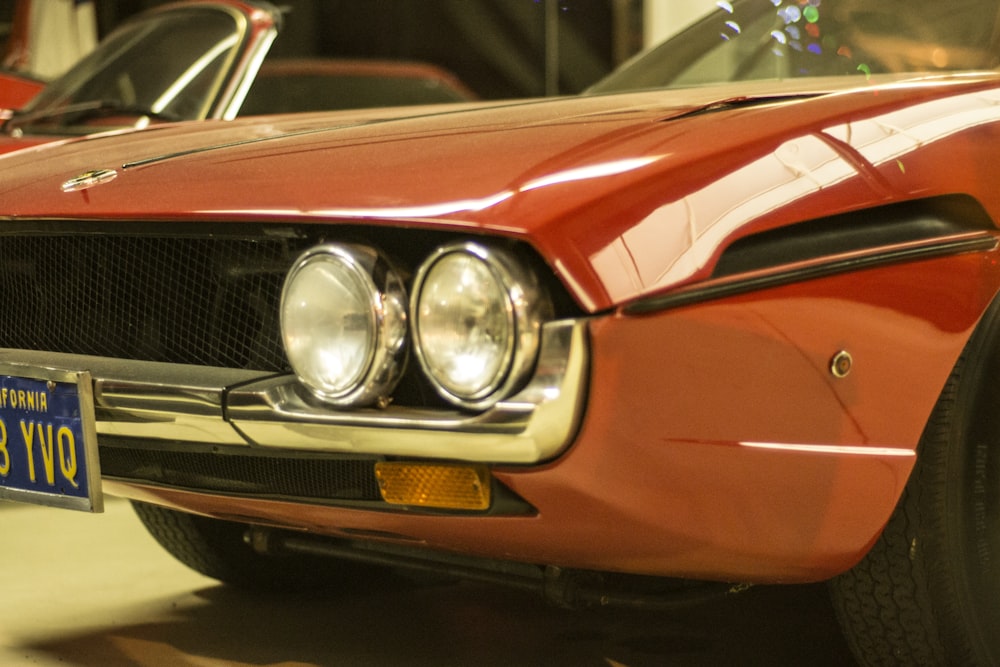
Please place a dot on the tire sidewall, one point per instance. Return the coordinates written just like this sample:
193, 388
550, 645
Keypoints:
960, 479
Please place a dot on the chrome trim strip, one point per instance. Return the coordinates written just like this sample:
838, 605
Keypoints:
152, 400
253, 58
532, 426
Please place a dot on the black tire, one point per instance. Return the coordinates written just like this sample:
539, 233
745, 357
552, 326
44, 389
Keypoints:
218, 550
928, 593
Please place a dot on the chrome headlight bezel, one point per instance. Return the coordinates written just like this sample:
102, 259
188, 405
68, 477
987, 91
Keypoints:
376, 285
526, 308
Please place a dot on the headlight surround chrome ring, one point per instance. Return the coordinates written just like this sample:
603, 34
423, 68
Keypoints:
343, 324
476, 316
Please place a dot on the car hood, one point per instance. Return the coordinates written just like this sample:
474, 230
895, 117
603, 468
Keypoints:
624, 195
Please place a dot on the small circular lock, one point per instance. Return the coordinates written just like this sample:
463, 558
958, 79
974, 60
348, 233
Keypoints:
841, 364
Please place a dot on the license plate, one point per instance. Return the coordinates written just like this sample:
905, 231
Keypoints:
48, 438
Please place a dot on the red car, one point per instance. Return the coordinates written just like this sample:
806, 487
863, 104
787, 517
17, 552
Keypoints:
292, 85
16, 90
207, 59
732, 316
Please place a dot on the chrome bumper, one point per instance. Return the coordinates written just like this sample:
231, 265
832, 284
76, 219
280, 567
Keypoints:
158, 402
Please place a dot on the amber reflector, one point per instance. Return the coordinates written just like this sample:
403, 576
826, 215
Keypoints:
458, 487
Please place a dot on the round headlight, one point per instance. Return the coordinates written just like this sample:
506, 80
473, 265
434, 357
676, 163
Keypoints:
477, 316
343, 322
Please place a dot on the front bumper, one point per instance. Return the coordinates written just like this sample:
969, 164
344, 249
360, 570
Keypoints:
171, 404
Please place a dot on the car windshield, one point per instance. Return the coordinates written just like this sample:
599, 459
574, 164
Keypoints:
139, 70
746, 40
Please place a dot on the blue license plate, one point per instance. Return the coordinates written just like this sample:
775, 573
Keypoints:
48, 440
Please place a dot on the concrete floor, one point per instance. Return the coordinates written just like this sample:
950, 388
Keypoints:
79, 589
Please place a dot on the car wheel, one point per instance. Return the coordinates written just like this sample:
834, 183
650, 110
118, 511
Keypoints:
218, 550
928, 592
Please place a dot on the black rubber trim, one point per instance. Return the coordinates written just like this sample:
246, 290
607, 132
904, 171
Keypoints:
978, 243
298, 477
866, 230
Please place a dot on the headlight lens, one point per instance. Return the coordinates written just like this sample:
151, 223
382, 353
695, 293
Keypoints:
343, 321
465, 320
477, 315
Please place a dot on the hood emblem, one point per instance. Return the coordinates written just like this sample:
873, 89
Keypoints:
89, 179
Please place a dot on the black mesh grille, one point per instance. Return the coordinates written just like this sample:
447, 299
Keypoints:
294, 478
206, 301
208, 294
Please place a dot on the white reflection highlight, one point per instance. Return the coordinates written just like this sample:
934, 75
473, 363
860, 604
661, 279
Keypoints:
439, 209
679, 238
420, 211
852, 450
593, 171
891, 136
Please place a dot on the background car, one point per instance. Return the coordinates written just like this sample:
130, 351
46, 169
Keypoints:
17, 90
288, 85
731, 318
201, 59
